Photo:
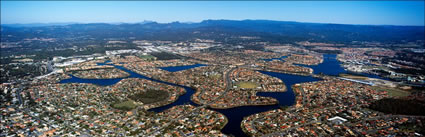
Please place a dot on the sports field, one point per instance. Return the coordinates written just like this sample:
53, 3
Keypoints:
126, 105
247, 85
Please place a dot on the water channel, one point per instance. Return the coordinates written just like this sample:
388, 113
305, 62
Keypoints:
235, 115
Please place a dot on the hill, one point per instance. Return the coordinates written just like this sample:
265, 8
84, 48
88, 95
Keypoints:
274, 31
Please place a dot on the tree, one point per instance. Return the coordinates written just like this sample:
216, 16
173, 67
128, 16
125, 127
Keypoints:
31, 100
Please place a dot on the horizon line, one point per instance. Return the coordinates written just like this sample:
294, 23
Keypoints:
192, 22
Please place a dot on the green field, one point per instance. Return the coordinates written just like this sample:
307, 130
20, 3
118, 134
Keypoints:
147, 57
392, 92
353, 77
215, 76
150, 96
247, 85
126, 105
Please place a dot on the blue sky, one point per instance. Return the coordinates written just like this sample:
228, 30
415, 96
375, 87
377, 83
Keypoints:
343, 12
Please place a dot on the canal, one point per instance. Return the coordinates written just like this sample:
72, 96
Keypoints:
235, 115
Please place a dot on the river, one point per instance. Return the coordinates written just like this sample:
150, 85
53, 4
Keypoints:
235, 115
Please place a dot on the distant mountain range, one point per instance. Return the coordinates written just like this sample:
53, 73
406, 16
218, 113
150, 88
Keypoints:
275, 31
18, 25
38, 24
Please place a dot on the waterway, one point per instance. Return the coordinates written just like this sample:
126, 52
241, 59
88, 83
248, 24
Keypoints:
234, 115
331, 66
183, 99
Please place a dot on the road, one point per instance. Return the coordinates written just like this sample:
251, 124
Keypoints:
320, 120
27, 110
228, 87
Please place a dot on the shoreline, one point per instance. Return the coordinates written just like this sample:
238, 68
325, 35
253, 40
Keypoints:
277, 102
102, 78
169, 102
